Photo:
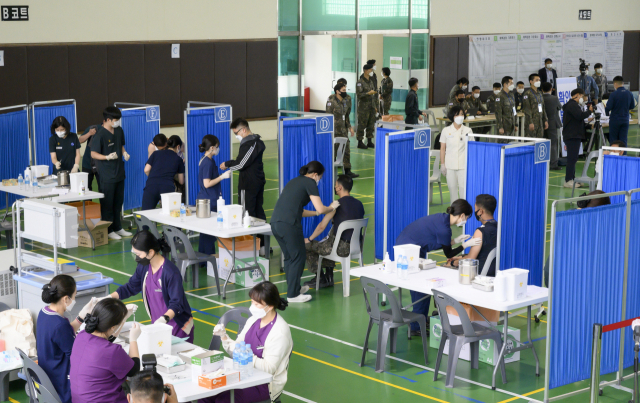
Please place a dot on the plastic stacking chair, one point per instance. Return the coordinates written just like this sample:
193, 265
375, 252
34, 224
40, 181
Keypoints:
359, 228
144, 223
388, 321
459, 335
430, 114
341, 142
487, 263
190, 257
584, 178
435, 176
239, 315
39, 385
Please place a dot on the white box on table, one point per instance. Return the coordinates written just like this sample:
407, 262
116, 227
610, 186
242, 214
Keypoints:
40, 171
155, 339
77, 180
412, 252
232, 214
517, 280
39, 221
206, 362
170, 201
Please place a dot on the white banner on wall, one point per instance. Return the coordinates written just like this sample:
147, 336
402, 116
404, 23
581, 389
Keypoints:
551, 48
481, 61
614, 42
505, 56
528, 56
565, 86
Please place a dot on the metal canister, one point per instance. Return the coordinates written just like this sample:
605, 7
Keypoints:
467, 271
203, 208
63, 178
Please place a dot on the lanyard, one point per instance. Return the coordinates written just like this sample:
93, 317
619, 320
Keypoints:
511, 101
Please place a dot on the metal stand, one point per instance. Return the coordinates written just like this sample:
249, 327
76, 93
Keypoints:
267, 242
597, 127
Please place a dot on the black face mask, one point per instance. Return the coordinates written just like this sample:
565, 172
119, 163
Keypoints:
343, 94
145, 261
478, 216
111, 339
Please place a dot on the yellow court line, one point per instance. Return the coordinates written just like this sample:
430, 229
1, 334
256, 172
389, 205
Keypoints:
369, 378
145, 321
12, 400
526, 394
131, 302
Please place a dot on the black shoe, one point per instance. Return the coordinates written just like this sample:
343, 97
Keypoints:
370, 144
555, 169
350, 174
361, 145
329, 276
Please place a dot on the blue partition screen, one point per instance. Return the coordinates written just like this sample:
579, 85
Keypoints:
14, 148
586, 290
201, 122
483, 175
138, 133
407, 186
620, 173
43, 117
633, 280
301, 144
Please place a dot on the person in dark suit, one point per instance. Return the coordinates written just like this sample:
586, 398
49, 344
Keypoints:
573, 131
552, 106
549, 75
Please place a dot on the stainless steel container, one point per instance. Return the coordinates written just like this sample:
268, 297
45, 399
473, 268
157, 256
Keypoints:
468, 270
63, 178
203, 208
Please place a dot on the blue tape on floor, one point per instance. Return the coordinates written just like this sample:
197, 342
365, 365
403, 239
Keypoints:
389, 373
119, 285
534, 340
205, 313
463, 397
422, 372
322, 351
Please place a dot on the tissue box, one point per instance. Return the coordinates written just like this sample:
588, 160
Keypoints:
206, 363
435, 282
171, 370
219, 381
412, 252
232, 216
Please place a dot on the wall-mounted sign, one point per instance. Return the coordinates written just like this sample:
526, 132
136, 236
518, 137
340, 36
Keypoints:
584, 14
15, 13
395, 62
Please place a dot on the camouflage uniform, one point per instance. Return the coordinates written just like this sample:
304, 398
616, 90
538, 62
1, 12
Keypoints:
454, 102
340, 111
601, 82
534, 112
505, 116
472, 102
491, 100
366, 107
386, 91
315, 249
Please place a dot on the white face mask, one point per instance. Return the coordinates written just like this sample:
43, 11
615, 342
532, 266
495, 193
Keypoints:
216, 151
549, 65
496, 92
371, 74
581, 101
374, 67
511, 87
70, 306
536, 84
464, 87
61, 134
115, 124
239, 137
317, 182
463, 222
476, 96
259, 313
520, 90
599, 71
458, 120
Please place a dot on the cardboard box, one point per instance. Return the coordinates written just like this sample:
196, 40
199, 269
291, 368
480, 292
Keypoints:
171, 201
487, 354
247, 278
490, 314
206, 363
244, 255
100, 232
219, 381
92, 209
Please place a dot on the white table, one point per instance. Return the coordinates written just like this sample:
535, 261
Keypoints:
468, 295
45, 192
209, 226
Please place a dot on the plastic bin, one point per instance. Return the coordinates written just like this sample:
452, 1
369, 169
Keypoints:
155, 339
412, 252
517, 280
170, 201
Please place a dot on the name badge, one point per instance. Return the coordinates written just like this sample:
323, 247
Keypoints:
112, 144
58, 148
342, 117
540, 108
260, 348
514, 111
158, 290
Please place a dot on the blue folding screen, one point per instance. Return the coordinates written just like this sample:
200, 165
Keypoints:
14, 148
523, 207
633, 280
138, 133
201, 122
42, 118
588, 271
407, 186
302, 144
620, 173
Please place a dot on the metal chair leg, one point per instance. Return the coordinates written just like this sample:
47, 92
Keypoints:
441, 199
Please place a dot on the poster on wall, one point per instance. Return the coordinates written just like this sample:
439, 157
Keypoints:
572, 52
481, 61
614, 43
395, 62
528, 57
505, 56
593, 49
565, 86
551, 48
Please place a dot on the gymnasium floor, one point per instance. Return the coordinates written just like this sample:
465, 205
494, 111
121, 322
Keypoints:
329, 331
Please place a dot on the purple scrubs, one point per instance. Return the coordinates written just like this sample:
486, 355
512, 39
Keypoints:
157, 307
255, 336
98, 369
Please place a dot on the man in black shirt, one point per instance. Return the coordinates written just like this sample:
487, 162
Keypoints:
411, 107
107, 149
350, 209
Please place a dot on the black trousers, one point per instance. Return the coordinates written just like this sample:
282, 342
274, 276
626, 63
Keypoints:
254, 199
90, 179
111, 204
291, 241
573, 150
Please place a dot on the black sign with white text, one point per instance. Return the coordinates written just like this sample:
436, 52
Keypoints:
15, 13
584, 14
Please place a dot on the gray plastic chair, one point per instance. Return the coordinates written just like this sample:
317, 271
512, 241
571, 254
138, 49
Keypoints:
44, 392
459, 335
144, 223
436, 176
359, 228
239, 315
388, 321
341, 142
487, 263
585, 178
190, 257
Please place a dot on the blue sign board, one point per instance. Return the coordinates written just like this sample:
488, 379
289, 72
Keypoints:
153, 113
422, 139
223, 114
324, 124
542, 151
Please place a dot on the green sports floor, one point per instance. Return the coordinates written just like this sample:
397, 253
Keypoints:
329, 331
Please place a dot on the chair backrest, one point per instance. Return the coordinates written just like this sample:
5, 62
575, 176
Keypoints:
342, 145
435, 172
487, 263
144, 223
239, 315
4, 307
587, 163
38, 382
433, 116
442, 301
359, 228
173, 233
372, 288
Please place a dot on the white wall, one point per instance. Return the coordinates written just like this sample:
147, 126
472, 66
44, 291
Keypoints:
317, 69
465, 17
375, 52
67, 21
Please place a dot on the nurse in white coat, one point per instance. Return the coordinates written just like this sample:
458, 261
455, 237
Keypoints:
453, 153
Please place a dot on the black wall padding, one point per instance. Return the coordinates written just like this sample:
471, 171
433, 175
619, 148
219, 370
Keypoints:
88, 82
13, 77
230, 76
262, 79
630, 59
48, 73
162, 82
463, 57
445, 68
196, 73
125, 72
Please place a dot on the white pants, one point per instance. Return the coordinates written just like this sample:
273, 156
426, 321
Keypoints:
457, 180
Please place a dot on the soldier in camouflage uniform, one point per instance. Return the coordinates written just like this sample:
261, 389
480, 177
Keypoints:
535, 115
506, 110
492, 98
339, 106
386, 90
474, 102
457, 100
367, 99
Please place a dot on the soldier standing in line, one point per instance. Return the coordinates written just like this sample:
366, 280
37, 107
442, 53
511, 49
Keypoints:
491, 101
339, 107
386, 90
535, 115
367, 99
506, 110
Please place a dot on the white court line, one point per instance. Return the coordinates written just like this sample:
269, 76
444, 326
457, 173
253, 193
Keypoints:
248, 288
368, 177
333, 339
284, 392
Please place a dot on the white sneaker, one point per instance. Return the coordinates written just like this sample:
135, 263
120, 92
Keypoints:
115, 236
578, 185
122, 232
569, 184
300, 298
262, 251
304, 289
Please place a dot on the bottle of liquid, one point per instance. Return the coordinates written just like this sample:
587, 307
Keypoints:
398, 263
246, 221
249, 361
220, 219
34, 183
220, 203
20, 182
27, 180
183, 212
387, 264
236, 357
81, 188
405, 268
